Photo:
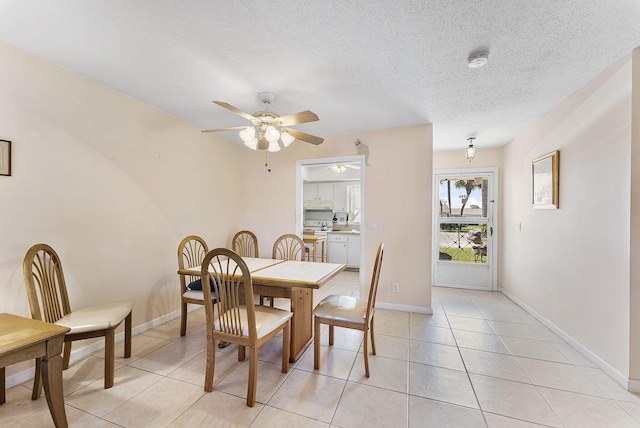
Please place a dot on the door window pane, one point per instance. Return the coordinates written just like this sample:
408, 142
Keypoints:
463, 242
463, 197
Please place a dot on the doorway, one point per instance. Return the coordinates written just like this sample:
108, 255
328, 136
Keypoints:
347, 174
465, 228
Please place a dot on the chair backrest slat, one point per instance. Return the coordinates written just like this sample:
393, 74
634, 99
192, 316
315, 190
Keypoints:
231, 281
191, 252
288, 247
375, 277
245, 244
45, 284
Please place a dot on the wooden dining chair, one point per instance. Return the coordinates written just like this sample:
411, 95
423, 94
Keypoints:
348, 312
245, 244
289, 247
233, 321
49, 302
191, 252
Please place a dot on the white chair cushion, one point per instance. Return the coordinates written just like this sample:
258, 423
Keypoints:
267, 319
197, 295
342, 308
93, 318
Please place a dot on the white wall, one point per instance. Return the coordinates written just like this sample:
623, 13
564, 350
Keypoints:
111, 183
572, 265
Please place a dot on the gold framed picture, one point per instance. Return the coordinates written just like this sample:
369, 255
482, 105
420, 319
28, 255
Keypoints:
5, 157
545, 172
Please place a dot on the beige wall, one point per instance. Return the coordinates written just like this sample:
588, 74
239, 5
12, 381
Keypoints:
114, 184
398, 199
111, 183
455, 159
634, 305
572, 265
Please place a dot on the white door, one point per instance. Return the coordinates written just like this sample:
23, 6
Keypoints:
465, 228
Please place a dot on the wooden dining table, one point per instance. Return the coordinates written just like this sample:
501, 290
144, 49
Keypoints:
24, 339
293, 280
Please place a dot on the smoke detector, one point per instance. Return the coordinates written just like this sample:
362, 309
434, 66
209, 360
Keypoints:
478, 59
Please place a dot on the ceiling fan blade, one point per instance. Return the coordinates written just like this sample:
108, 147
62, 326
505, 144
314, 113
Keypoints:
304, 137
235, 110
235, 128
297, 118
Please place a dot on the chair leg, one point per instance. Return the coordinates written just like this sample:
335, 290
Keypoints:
183, 319
286, 346
242, 353
330, 335
366, 352
253, 376
109, 357
316, 343
66, 355
37, 380
127, 336
211, 365
373, 340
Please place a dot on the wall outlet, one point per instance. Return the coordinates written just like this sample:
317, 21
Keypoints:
395, 287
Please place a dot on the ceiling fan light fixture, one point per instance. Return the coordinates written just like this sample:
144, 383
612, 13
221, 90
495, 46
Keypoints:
286, 138
338, 168
252, 144
248, 134
269, 131
273, 146
470, 151
272, 134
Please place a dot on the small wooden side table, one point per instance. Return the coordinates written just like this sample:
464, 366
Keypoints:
314, 239
25, 339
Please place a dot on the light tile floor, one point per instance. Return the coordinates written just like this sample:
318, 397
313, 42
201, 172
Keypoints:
478, 361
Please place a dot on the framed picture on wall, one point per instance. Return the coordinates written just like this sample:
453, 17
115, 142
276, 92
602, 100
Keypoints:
545, 172
5, 157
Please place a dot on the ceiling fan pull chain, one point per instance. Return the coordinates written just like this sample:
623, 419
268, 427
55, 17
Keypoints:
267, 163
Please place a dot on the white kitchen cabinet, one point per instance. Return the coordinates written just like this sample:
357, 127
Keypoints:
353, 251
338, 248
344, 248
340, 197
317, 192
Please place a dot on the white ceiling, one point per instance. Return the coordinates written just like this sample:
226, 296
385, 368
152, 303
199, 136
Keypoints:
360, 65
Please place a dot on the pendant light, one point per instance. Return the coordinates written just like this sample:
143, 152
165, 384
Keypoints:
470, 151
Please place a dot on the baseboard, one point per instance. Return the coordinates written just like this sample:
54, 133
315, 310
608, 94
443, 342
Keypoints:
405, 308
79, 352
615, 374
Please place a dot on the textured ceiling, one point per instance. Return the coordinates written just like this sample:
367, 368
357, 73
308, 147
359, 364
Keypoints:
361, 65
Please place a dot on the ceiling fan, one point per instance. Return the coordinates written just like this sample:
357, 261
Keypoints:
269, 128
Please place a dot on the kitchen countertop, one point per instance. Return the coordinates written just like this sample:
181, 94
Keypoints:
345, 232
